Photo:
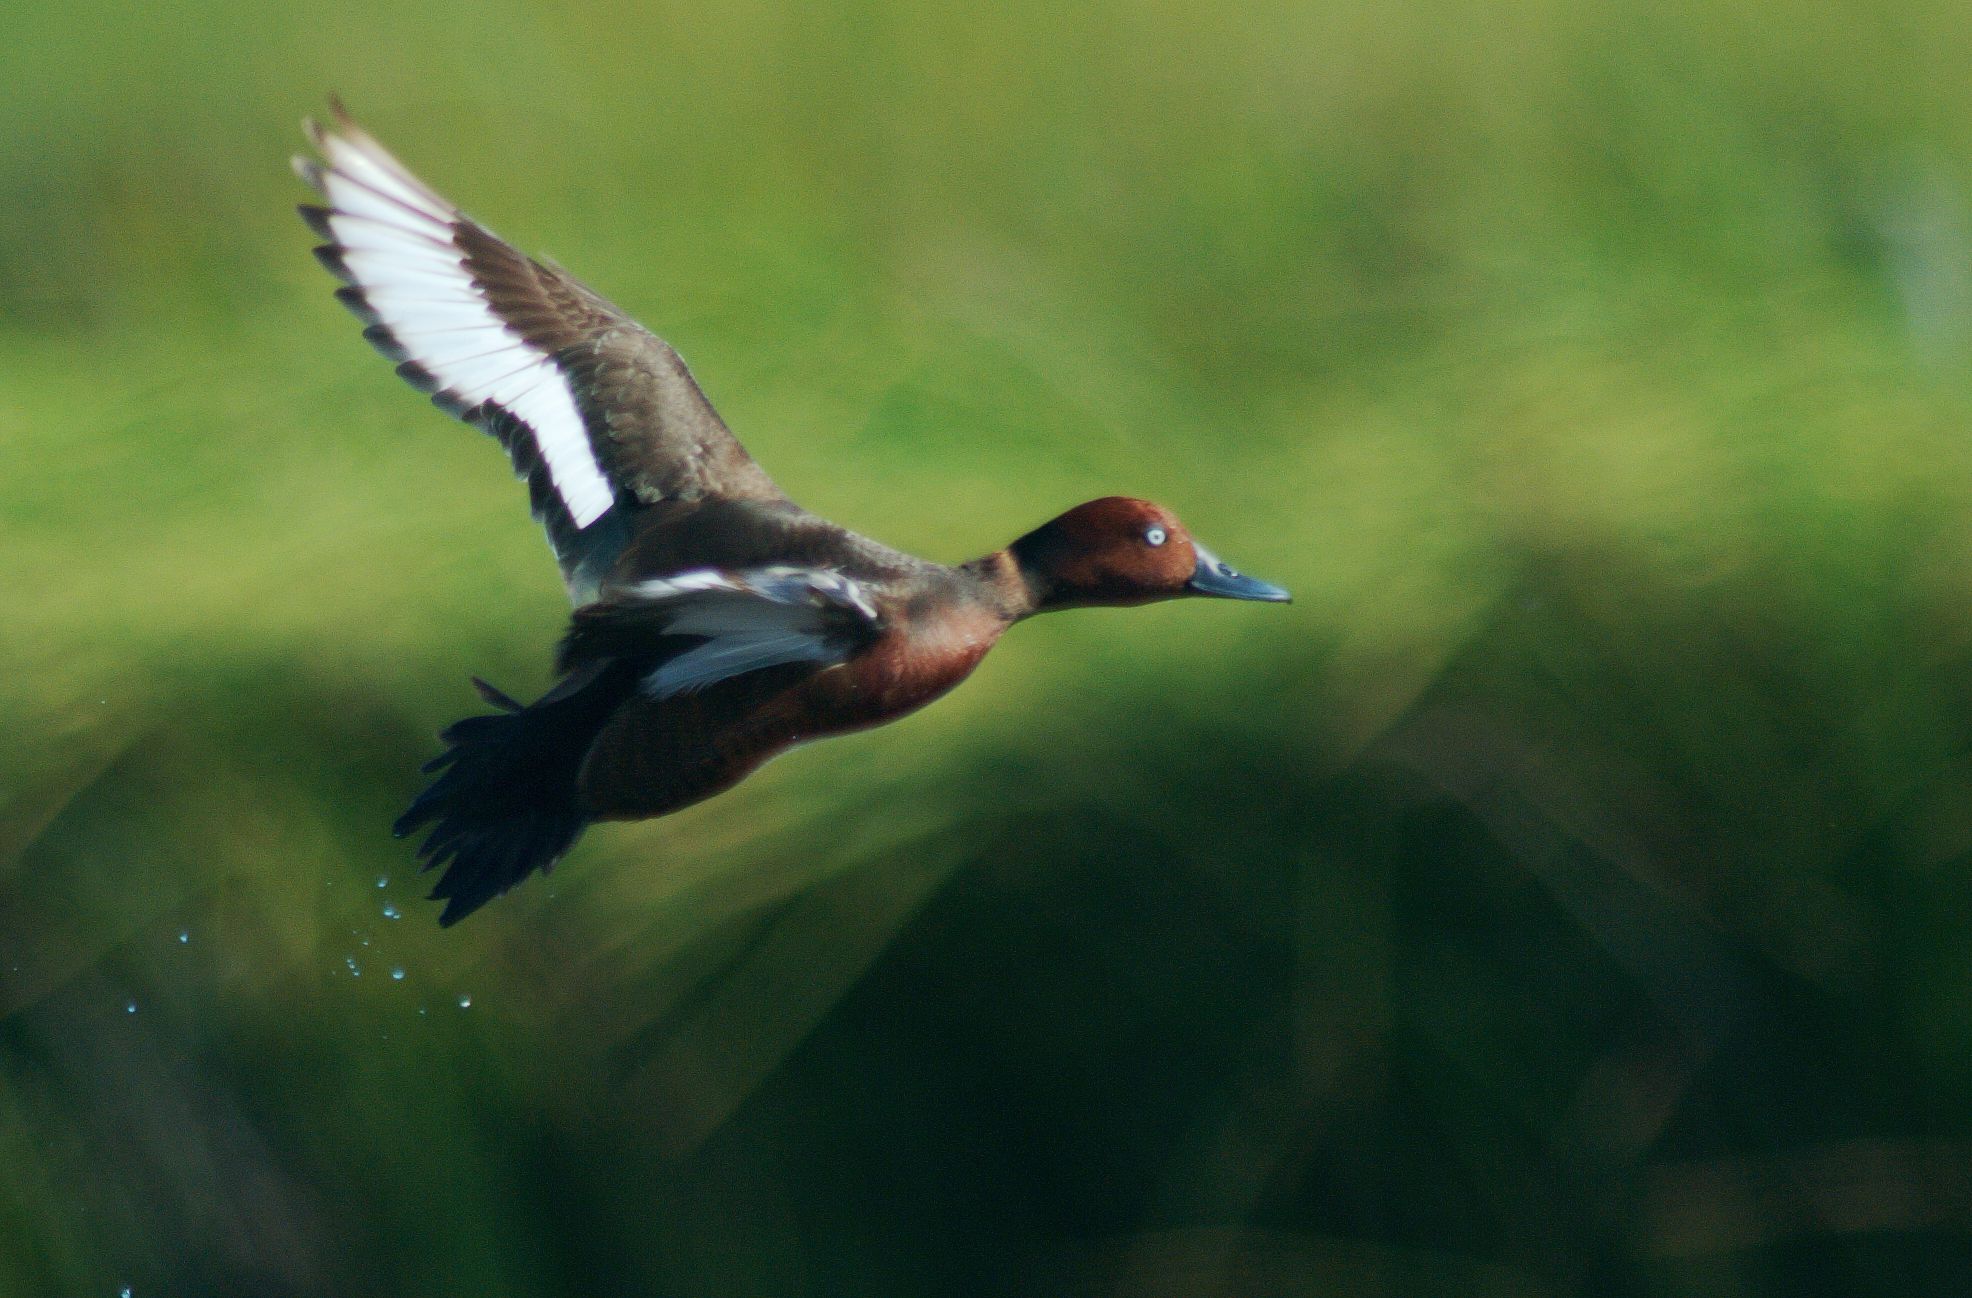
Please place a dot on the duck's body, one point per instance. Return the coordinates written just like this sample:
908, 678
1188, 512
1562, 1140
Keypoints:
717, 623
926, 627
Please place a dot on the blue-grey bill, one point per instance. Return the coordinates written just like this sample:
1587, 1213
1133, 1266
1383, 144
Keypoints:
1215, 577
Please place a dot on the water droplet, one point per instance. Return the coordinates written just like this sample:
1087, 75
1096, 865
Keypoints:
397, 975
131, 1008
354, 972
391, 912
421, 1009
465, 1003
383, 881
365, 941
125, 1291
184, 936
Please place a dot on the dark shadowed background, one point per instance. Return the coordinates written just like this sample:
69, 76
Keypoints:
1570, 894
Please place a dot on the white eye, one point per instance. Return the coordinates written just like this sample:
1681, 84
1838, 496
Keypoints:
1155, 536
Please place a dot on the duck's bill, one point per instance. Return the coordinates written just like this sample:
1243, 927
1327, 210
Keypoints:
1217, 578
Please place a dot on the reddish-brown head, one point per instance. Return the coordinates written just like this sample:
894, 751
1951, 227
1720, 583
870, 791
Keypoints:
1118, 551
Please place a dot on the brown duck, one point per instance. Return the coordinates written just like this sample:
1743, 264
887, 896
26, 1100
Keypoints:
716, 622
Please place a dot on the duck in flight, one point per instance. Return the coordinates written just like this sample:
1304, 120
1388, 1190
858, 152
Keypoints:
716, 622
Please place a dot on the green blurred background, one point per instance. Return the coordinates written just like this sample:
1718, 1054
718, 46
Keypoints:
1568, 894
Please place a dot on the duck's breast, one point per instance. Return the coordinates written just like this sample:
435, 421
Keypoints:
928, 648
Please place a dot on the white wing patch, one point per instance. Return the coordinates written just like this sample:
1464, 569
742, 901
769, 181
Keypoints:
396, 250
765, 617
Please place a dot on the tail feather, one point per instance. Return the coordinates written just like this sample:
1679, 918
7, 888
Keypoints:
498, 697
504, 801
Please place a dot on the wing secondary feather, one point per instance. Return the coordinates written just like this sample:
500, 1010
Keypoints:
698, 628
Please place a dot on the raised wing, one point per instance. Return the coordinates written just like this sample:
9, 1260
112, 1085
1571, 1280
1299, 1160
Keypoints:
599, 415
697, 628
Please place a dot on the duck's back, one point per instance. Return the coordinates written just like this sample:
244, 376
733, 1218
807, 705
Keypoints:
738, 535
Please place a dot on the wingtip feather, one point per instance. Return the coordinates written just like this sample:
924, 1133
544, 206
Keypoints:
386, 343
419, 377
451, 403
352, 297
317, 218
311, 173
330, 255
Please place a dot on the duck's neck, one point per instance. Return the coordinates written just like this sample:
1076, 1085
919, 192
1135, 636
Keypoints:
1008, 586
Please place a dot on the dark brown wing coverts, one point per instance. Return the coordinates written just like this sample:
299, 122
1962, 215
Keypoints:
660, 438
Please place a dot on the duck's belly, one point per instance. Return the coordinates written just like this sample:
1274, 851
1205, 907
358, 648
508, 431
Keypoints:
658, 756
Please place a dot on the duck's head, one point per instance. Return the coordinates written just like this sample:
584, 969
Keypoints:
1119, 551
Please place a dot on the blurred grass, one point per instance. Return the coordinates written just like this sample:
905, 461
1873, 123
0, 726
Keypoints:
1567, 895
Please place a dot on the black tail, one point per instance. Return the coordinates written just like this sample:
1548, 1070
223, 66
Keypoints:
505, 802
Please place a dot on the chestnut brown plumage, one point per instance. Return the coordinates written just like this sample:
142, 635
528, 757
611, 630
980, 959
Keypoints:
716, 622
